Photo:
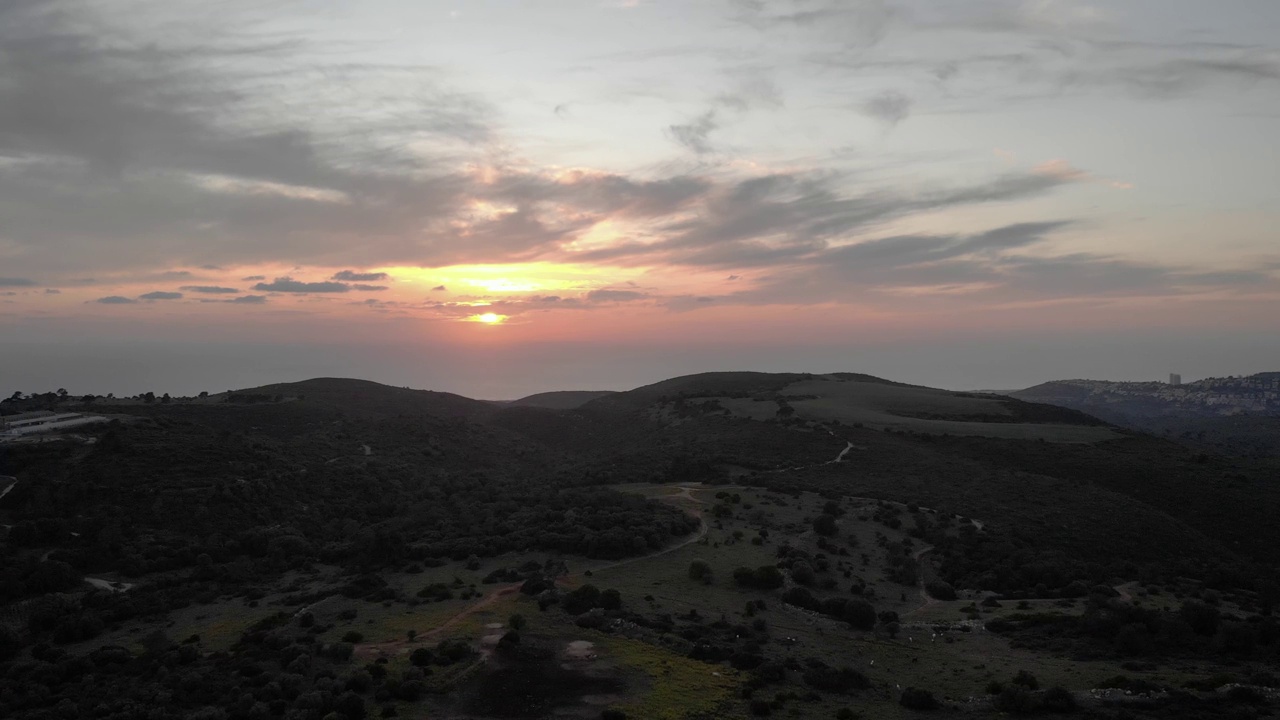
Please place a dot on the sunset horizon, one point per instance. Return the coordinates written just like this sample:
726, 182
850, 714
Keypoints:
504, 199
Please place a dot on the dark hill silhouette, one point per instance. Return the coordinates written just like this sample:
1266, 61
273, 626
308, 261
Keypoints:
365, 397
1096, 494
560, 399
699, 385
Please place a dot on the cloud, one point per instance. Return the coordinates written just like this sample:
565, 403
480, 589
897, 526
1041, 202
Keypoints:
16, 282
353, 276
993, 52
889, 107
210, 289
754, 90
161, 295
242, 300
1004, 265
133, 148
518, 305
253, 278
696, 135
784, 218
52, 291
289, 285
439, 288
1168, 77
607, 295
851, 23
162, 136
751, 90
115, 300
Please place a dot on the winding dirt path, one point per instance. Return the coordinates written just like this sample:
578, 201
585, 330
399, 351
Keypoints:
927, 599
11, 486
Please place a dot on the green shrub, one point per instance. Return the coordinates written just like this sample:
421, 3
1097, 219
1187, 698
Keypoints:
917, 699
1026, 680
1017, 699
1058, 700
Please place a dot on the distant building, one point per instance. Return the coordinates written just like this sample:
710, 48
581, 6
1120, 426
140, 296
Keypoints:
1175, 379
5, 420
33, 423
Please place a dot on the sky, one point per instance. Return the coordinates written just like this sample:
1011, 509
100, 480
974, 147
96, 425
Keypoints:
501, 198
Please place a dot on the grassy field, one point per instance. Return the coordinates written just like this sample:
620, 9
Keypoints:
913, 409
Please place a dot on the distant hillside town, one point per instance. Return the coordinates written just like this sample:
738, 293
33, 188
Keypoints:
41, 422
1219, 396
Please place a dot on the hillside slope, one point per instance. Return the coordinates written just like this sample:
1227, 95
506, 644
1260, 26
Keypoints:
362, 397
560, 399
1235, 415
686, 549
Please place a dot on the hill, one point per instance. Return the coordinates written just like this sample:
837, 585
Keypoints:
712, 546
367, 398
560, 400
857, 399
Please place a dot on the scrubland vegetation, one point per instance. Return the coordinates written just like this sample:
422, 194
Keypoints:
335, 549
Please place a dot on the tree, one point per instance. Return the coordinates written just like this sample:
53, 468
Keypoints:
1017, 699
582, 599
917, 699
1058, 700
516, 622
62, 392
766, 577
802, 572
339, 651
844, 680
860, 614
941, 590
1026, 680
701, 571
825, 525
1203, 619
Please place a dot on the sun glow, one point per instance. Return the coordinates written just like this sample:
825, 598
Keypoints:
488, 318
543, 277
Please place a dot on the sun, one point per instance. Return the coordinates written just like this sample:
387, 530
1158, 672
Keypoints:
489, 318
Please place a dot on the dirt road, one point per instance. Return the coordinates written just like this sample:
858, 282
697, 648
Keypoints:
927, 599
